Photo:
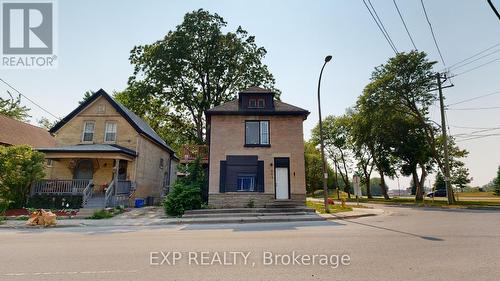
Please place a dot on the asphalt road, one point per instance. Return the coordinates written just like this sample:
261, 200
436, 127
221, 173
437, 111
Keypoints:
403, 244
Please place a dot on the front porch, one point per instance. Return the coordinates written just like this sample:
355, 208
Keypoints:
103, 175
115, 194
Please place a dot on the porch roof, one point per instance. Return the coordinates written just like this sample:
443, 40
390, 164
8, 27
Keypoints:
89, 148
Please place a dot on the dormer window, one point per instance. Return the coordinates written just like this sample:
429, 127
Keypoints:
256, 103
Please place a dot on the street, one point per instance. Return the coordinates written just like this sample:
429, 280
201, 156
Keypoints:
401, 244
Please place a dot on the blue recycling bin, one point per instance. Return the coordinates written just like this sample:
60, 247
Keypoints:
139, 202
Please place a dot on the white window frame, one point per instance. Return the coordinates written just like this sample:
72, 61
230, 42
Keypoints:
106, 131
264, 130
88, 132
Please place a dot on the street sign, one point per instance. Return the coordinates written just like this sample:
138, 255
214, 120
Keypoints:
356, 185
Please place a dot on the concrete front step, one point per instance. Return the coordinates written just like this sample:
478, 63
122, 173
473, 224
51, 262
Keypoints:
258, 219
249, 210
86, 212
285, 204
236, 215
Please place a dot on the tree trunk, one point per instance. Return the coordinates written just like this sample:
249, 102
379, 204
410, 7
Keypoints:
419, 193
368, 188
382, 185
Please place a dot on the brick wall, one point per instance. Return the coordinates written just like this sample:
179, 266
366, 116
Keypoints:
286, 139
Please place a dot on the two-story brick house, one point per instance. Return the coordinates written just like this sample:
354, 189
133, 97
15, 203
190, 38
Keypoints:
105, 152
256, 151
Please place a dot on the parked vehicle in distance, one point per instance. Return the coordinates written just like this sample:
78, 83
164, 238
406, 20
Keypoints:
437, 193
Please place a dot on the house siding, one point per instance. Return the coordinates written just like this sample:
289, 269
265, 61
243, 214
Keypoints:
144, 169
227, 137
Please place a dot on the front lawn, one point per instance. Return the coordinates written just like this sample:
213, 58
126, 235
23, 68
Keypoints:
320, 207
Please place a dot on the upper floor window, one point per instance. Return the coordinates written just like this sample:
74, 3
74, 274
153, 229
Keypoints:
256, 103
162, 164
88, 131
257, 133
110, 132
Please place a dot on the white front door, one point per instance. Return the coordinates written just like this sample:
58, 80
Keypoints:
281, 183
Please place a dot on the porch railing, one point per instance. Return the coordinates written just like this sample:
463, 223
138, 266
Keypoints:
109, 195
74, 187
190, 152
87, 193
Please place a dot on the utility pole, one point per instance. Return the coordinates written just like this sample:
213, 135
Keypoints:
449, 189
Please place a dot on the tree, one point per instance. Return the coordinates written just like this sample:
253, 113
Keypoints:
313, 167
337, 146
45, 123
86, 96
11, 107
193, 68
20, 166
496, 183
439, 183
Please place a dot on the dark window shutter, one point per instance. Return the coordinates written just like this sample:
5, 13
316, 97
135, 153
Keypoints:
260, 176
222, 177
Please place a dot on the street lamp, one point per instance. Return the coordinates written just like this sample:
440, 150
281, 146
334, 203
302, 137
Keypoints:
325, 173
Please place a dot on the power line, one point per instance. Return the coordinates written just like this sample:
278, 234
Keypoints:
474, 68
432, 32
404, 24
474, 133
475, 108
475, 98
381, 29
33, 102
469, 62
475, 55
382, 24
478, 137
475, 128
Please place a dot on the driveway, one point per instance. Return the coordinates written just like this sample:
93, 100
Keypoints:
402, 244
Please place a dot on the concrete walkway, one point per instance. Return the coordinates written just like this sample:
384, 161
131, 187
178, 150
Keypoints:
151, 216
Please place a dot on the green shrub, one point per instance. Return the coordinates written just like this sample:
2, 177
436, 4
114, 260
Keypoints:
20, 166
185, 193
101, 214
4, 205
56, 202
182, 197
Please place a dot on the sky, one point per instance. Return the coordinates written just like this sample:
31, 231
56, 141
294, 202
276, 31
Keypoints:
95, 39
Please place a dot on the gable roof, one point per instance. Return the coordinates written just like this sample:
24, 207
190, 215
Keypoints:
14, 132
135, 121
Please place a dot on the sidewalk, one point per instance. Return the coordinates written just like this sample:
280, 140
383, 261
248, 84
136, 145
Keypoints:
152, 217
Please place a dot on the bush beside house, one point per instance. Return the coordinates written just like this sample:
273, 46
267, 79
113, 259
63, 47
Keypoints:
20, 166
185, 193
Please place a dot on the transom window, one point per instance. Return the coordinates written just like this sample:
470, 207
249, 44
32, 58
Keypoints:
246, 182
88, 131
257, 133
110, 132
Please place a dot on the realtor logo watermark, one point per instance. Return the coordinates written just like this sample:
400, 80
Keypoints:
28, 35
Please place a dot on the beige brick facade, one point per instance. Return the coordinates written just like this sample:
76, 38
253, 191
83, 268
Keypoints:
144, 169
227, 137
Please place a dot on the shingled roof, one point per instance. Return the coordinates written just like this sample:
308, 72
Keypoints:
280, 108
135, 121
14, 132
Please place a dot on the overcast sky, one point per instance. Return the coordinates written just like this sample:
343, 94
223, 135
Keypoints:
95, 38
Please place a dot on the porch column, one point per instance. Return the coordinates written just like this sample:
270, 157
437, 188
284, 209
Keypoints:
117, 167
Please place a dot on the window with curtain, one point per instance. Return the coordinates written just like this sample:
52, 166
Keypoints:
88, 131
110, 132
